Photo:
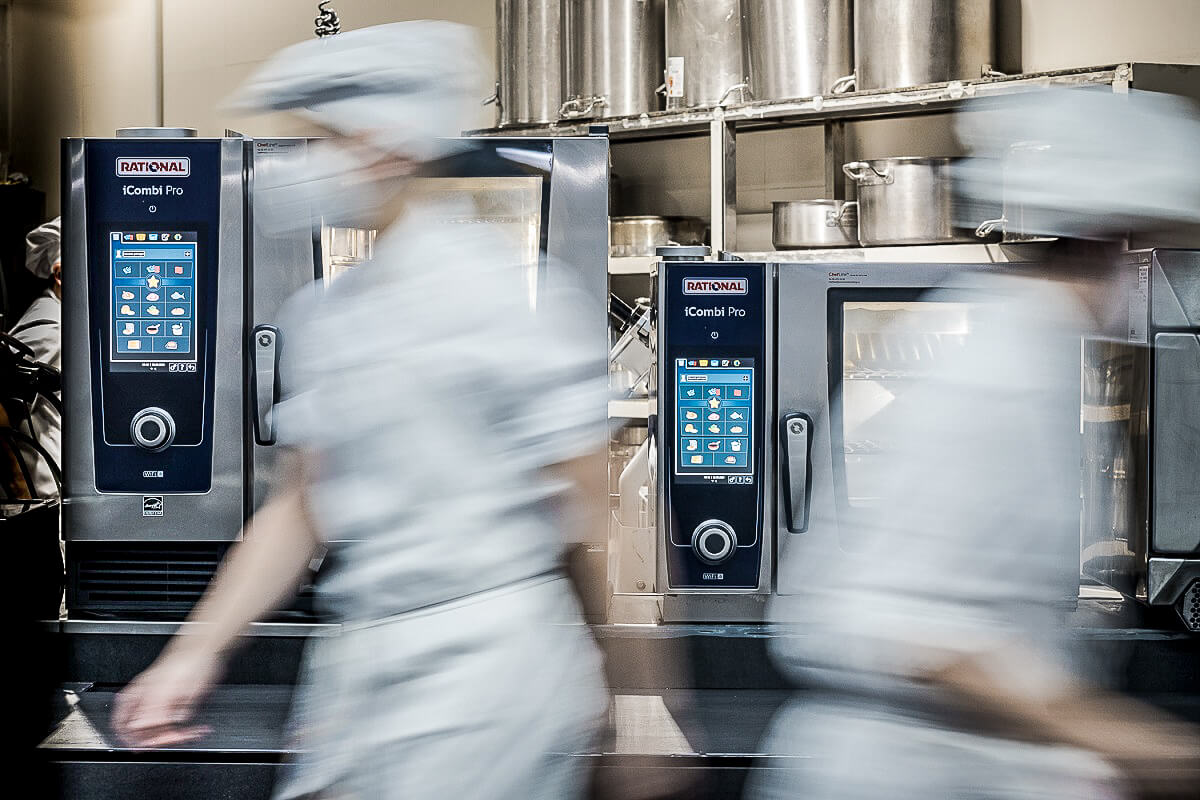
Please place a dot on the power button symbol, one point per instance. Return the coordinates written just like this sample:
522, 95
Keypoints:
715, 335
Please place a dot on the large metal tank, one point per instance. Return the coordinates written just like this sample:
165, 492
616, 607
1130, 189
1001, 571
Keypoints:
704, 43
900, 43
528, 61
615, 56
796, 48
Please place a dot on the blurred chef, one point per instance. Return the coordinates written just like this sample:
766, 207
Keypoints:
444, 430
936, 652
39, 328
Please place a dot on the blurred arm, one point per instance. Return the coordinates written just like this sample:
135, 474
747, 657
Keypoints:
261, 571
587, 476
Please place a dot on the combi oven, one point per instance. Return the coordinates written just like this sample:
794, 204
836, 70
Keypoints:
775, 386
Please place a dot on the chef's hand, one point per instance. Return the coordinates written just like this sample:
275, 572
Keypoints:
157, 708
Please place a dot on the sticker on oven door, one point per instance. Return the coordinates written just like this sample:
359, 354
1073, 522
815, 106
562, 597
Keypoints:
152, 505
715, 286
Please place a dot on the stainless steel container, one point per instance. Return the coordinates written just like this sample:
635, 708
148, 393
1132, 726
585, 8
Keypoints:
528, 61
909, 201
614, 51
802, 224
704, 52
900, 43
641, 235
1017, 223
796, 48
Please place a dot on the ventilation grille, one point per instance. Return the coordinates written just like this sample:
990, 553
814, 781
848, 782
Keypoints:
1189, 607
140, 577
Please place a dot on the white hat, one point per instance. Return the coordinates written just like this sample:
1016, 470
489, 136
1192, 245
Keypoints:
43, 248
1102, 163
408, 84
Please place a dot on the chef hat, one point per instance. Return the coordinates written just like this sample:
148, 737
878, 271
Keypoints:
43, 248
1088, 163
408, 84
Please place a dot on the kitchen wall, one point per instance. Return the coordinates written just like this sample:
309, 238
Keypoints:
86, 67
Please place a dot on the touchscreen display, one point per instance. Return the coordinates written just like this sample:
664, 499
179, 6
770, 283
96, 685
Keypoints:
714, 408
152, 300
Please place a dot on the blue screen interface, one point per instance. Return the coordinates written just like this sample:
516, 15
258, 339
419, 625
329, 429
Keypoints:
153, 299
714, 425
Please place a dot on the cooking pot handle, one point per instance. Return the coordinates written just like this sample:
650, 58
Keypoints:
846, 83
836, 219
990, 226
744, 88
495, 98
581, 106
861, 172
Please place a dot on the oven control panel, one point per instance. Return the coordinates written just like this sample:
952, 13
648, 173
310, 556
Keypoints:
712, 379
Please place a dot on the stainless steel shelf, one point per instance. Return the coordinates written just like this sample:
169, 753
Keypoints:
926, 99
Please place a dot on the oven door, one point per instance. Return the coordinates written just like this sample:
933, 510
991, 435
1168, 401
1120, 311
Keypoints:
850, 343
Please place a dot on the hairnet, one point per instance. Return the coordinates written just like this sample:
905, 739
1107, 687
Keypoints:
408, 84
1088, 163
43, 248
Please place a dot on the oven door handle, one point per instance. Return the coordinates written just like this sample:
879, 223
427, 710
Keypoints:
264, 381
796, 440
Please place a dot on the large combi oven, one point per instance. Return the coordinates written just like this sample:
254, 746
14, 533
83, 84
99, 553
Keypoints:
172, 299
1141, 437
817, 355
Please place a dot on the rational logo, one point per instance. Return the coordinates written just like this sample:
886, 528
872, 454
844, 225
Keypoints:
715, 286
152, 505
161, 167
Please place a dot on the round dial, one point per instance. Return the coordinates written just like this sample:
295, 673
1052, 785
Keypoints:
152, 429
714, 541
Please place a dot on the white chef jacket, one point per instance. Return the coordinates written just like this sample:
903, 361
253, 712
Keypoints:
40, 327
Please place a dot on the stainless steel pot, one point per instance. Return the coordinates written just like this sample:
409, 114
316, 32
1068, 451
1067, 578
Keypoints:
796, 48
614, 55
704, 52
802, 224
639, 236
900, 43
528, 61
1017, 223
909, 201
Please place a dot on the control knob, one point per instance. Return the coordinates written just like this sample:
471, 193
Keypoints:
152, 429
714, 541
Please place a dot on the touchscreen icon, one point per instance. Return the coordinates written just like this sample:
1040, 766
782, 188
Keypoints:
126, 295
714, 445
704, 362
737, 392
714, 428
178, 312
153, 282
152, 311
735, 446
153, 269
690, 393
152, 297
692, 445
714, 403
697, 459
736, 429
134, 344
714, 416
126, 270
152, 330
690, 415
690, 428
178, 270
176, 295
177, 329
126, 311
730, 459
736, 415
127, 330
172, 345
715, 392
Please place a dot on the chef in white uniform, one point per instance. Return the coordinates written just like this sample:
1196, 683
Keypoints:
39, 328
448, 432
936, 654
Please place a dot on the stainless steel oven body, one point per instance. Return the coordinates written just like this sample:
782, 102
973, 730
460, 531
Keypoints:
822, 373
1141, 531
172, 331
